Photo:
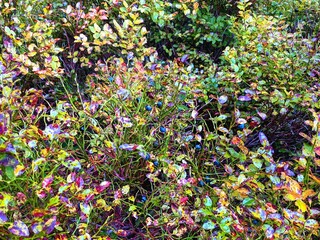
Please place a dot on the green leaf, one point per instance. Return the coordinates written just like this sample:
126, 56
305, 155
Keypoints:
132, 208
307, 150
257, 162
248, 202
205, 212
10, 172
155, 16
6, 91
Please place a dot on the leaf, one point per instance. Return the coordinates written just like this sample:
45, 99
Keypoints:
37, 227
248, 202
208, 201
19, 228
47, 181
85, 208
102, 186
194, 114
224, 224
155, 16
311, 224
263, 139
301, 205
317, 150
6, 91
257, 162
19, 170
3, 217
10, 172
205, 212
244, 98
132, 208
97, 28
128, 147
125, 189
50, 224
209, 225
308, 150
223, 99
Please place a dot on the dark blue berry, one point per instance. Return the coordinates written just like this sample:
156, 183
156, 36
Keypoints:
163, 129
143, 199
148, 108
201, 183
156, 143
156, 163
147, 156
159, 104
198, 147
241, 126
255, 221
217, 163
207, 179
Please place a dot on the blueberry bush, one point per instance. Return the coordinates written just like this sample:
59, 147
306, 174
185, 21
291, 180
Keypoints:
194, 119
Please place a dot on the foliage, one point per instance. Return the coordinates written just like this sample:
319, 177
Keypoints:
105, 136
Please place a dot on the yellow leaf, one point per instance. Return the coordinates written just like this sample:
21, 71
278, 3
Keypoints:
301, 205
125, 189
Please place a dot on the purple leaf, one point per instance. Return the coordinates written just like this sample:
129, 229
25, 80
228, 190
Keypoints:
194, 114
128, 147
79, 182
102, 186
47, 181
269, 232
36, 227
19, 228
244, 98
223, 99
50, 224
184, 58
263, 139
3, 217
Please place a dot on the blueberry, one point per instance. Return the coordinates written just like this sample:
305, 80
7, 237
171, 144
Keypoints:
217, 163
162, 129
159, 104
156, 143
148, 108
207, 179
201, 183
255, 221
156, 163
147, 156
143, 199
241, 126
198, 147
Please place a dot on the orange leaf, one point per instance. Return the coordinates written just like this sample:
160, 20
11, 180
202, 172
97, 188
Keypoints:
316, 179
307, 193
